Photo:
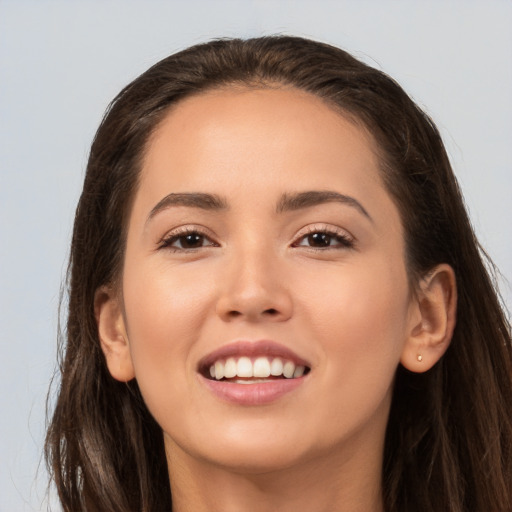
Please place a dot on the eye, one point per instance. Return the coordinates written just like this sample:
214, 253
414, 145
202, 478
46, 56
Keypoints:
187, 240
324, 239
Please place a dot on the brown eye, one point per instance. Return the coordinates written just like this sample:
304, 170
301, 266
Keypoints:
324, 240
187, 241
319, 240
191, 241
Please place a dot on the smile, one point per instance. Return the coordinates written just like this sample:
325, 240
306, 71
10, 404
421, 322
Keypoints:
253, 373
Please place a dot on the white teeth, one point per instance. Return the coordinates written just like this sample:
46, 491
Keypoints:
299, 372
276, 367
219, 370
244, 367
288, 369
230, 368
252, 381
261, 367
257, 371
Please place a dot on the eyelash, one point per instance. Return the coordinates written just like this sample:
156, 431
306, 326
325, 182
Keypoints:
180, 236
344, 241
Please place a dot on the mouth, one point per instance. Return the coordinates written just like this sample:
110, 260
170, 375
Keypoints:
253, 373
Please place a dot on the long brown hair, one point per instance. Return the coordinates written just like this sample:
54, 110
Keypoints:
449, 437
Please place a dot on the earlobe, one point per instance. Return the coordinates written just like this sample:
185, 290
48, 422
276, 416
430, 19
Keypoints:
433, 320
112, 334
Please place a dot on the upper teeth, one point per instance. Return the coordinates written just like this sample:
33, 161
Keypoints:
261, 367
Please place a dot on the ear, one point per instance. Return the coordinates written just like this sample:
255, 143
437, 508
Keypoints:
432, 320
112, 334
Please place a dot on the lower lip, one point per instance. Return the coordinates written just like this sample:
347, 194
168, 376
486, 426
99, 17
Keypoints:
252, 394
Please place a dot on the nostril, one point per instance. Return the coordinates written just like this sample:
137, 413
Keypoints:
267, 312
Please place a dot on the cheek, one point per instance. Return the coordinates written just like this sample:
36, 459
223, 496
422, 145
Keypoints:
359, 315
357, 300
162, 301
164, 310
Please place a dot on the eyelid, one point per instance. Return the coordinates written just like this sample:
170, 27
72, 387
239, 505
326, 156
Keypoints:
329, 229
166, 240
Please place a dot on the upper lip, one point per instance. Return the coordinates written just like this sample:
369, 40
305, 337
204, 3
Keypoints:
252, 349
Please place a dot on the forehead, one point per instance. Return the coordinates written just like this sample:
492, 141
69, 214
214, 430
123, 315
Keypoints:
247, 130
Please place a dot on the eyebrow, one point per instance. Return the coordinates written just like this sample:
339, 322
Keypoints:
287, 202
210, 202
300, 200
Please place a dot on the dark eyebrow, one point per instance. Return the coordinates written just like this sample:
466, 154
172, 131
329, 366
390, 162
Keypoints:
210, 202
300, 200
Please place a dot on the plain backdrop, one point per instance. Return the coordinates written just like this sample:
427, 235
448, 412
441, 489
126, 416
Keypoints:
61, 62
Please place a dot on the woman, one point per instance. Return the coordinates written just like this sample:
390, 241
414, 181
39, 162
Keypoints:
277, 300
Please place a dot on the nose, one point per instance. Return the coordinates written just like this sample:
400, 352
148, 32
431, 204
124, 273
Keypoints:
254, 289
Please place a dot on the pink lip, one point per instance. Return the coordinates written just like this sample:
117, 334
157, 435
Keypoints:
251, 394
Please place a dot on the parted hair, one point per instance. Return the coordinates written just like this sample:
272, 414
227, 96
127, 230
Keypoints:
449, 436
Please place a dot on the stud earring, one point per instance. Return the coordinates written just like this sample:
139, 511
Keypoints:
420, 358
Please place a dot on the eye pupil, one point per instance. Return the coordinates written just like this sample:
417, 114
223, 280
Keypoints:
192, 240
319, 239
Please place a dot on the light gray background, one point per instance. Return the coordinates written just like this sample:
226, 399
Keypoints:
62, 61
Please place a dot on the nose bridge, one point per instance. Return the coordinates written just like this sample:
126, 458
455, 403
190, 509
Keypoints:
254, 286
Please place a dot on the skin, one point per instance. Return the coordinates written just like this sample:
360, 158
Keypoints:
346, 309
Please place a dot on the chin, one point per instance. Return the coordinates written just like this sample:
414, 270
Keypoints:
254, 460
247, 448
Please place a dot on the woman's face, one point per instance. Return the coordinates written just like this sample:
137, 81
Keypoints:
262, 240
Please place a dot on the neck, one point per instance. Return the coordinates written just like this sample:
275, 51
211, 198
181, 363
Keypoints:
350, 481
